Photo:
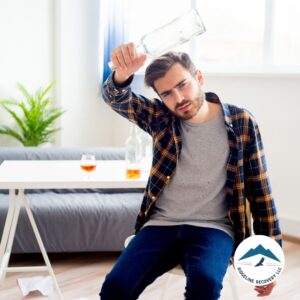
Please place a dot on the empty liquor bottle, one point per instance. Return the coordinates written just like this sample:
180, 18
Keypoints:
180, 30
147, 151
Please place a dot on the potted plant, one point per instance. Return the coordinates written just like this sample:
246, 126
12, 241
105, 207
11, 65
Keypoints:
34, 117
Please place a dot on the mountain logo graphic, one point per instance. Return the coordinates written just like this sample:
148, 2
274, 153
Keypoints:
259, 260
260, 250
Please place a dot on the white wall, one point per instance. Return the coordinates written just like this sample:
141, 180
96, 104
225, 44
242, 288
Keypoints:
42, 40
86, 122
22, 58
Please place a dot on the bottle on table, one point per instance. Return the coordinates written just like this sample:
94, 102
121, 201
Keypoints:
133, 153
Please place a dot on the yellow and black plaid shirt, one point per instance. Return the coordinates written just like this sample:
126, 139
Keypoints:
246, 167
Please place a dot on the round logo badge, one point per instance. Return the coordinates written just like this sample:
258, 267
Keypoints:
259, 260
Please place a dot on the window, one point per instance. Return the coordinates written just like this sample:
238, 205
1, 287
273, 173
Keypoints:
286, 33
242, 36
250, 35
235, 33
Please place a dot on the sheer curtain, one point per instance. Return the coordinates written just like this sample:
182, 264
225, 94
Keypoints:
112, 31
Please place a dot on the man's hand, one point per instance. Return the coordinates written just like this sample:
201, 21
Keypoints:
126, 61
265, 290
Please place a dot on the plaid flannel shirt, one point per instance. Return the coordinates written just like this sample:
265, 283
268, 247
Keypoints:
246, 166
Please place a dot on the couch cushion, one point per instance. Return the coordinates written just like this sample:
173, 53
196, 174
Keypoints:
75, 222
59, 153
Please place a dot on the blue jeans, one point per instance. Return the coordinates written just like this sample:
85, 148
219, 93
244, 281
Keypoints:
204, 254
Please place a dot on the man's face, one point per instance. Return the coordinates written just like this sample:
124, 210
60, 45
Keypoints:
181, 92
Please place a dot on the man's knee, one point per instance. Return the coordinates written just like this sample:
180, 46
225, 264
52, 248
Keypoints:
115, 288
206, 284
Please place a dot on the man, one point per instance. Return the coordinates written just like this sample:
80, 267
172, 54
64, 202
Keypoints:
208, 158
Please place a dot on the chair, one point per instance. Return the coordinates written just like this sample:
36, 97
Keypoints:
178, 271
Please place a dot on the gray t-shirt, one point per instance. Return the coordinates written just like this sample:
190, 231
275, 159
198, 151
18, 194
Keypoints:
196, 195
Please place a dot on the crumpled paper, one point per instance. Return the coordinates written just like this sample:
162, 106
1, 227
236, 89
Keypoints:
43, 284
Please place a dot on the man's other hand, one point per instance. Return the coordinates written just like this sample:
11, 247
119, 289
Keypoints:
265, 290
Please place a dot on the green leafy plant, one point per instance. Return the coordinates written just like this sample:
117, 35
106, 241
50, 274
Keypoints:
35, 117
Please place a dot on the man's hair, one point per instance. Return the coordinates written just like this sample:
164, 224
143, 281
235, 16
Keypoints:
161, 65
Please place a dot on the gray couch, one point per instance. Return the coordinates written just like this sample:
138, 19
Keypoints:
73, 220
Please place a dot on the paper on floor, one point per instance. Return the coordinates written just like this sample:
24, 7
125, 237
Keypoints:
43, 284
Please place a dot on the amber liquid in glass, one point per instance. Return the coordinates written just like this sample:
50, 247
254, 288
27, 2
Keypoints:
133, 173
88, 168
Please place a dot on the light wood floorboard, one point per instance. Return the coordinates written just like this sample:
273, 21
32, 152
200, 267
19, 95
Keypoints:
80, 276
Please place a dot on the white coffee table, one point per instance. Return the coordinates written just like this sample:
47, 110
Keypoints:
18, 175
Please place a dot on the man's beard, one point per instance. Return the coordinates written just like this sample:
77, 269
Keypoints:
192, 112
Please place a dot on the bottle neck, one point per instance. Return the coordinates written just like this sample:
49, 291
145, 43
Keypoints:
133, 131
140, 49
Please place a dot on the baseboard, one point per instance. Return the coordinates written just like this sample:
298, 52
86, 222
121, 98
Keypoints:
290, 227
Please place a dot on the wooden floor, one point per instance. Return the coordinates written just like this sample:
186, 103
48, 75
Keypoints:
80, 277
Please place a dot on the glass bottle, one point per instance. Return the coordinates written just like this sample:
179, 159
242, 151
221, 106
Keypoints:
178, 31
147, 151
133, 153
172, 34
